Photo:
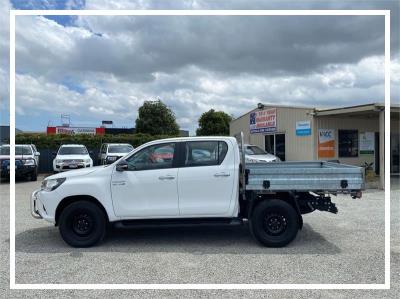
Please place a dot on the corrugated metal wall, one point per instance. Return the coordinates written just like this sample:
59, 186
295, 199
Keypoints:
347, 123
297, 147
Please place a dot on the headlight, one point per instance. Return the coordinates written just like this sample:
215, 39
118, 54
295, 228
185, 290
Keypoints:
52, 184
87, 160
58, 161
111, 158
29, 162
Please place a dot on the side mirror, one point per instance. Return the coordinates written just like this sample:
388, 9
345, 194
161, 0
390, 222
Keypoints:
122, 166
37, 154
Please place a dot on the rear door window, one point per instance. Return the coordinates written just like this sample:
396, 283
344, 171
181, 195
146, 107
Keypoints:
205, 153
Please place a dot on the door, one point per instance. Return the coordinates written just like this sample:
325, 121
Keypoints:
149, 186
206, 180
377, 154
280, 147
275, 144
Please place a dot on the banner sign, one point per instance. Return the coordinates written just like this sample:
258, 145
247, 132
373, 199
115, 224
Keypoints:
367, 143
326, 143
263, 121
303, 128
75, 130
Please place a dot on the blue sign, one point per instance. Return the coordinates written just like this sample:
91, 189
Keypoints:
303, 128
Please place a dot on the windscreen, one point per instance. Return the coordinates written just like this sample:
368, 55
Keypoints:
121, 148
73, 150
23, 150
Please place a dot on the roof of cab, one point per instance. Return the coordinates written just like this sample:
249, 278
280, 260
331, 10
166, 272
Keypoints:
177, 139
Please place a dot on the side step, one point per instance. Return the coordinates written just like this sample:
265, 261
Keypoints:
176, 222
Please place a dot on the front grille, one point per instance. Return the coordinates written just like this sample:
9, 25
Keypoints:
68, 167
73, 161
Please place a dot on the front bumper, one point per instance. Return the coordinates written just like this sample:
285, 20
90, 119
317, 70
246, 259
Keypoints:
65, 166
41, 207
20, 171
5, 172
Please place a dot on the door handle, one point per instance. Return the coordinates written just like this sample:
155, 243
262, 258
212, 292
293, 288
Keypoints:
167, 177
222, 174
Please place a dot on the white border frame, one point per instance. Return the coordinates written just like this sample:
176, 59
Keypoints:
385, 13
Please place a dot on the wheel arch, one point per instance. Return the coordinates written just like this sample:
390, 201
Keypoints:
288, 197
71, 199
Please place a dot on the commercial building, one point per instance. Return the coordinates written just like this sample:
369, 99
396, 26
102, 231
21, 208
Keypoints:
351, 135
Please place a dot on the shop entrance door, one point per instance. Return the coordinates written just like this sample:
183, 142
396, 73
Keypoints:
395, 154
275, 144
377, 153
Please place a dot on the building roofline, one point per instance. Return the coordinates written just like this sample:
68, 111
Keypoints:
356, 108
330, 111
268, 105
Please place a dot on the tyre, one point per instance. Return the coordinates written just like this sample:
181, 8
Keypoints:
274, 223
82, 224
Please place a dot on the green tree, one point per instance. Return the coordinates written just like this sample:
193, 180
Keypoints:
214, 123
155, 118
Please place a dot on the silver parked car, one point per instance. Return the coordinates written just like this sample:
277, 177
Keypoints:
111, 152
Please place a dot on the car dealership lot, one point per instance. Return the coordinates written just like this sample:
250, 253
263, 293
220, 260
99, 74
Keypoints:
343, 248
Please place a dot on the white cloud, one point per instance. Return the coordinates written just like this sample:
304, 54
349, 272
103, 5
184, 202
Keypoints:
107, 66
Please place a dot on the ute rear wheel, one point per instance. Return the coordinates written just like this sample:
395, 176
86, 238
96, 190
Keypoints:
274, 223
82, 224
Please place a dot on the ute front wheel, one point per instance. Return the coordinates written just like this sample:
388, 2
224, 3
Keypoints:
82, 224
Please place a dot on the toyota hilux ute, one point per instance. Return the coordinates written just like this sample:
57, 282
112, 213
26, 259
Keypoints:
192, 181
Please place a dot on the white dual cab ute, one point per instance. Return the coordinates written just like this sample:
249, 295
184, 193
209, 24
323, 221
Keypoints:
192, 181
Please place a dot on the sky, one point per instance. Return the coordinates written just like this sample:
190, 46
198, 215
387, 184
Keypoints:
105, 67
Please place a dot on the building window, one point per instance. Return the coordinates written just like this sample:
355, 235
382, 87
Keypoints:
348, 143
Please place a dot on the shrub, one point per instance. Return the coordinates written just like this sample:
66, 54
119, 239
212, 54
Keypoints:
44, 141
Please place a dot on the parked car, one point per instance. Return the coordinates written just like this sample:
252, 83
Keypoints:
255, 154
187, 189
111, 152
71, 156
26, 161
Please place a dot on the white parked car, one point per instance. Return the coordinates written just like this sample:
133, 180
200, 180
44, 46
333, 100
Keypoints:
189, 181
72, 156
255, 154
111, 152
